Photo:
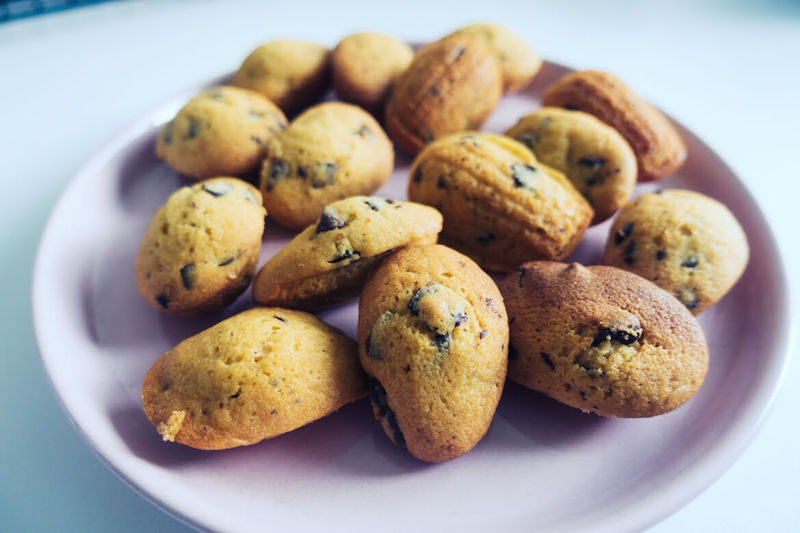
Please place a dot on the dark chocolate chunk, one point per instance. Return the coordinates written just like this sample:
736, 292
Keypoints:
457, 52
217, 189
380, 403
630, 253
442, 342
459, 318
323, 175
622, 336
194, 128
188, 275
693, 304
278, 169
524, 175
163, 300
521, 271
483, 333
546, 359
364, 132
301, 171
328, 221
346, 254
236, 395
434, 90
690, 262
623, 233
529, 139
661, 254
417, 177
593, 163
226, 261
279, 318
256, 140
371, 349
413, 303
485, 237
441, 183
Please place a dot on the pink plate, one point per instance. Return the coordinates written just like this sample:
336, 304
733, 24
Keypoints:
541, 467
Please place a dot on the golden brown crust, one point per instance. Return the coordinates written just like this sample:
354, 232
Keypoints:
201, 248
598, 161
329, 261
364, 66
330, 151
687, 243
518, 61
256, 375
602, 340
293, 74
659, 149
451, 85
433, 338
501, 207
221, 131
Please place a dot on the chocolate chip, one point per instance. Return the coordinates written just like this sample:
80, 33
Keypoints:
483, 333
371, 350
413, 303
278, 169
630, 253
328, 221
522, 271
626, 336
194, 128
434, 90
524, 175
547, 360
417, 177
216, 95
693, 304
379, 401
485, 237
457, 52
301, 171
188, 275
364, 132
594, 163
346, 254
226, 261
661, 254
691, 262
324, 175
624, 233
472, 139
442, 342
441, 183
279, 318
217, 189
529, 139
163, 300
256, 140
375, 203
459, 318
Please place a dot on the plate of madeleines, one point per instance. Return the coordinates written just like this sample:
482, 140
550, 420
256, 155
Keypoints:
381, 286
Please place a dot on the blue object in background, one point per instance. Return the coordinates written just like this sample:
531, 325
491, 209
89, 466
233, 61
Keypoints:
17, 9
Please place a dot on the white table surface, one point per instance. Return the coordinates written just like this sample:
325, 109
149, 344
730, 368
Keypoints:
730, 71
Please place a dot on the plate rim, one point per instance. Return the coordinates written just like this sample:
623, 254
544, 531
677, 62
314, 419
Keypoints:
694, 480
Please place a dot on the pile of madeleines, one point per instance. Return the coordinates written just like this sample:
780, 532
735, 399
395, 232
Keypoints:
437, 337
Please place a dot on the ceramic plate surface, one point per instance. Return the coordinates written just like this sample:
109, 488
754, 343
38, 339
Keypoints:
541, 467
